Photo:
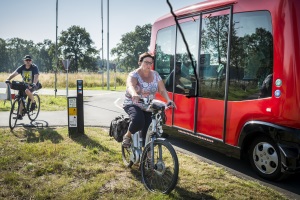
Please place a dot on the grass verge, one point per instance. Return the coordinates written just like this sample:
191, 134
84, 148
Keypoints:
48, 103
47, 164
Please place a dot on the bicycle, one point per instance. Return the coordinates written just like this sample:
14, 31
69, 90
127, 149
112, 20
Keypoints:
20, 101
157, 159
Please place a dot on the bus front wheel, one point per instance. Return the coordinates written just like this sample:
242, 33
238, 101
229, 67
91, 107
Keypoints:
264, 156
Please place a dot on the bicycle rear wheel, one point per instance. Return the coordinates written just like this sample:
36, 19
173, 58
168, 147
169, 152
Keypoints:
162, 175
33, 114
13, 115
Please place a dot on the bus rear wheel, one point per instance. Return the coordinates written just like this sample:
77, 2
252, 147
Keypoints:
264, 156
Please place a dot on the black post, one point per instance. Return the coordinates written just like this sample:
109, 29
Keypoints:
80, 106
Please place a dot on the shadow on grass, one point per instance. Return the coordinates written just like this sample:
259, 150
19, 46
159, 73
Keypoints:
86, 141
185, 194
35, 135
33, 124
182, 193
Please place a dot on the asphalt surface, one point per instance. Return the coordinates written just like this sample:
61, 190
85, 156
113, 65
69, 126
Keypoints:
98, 111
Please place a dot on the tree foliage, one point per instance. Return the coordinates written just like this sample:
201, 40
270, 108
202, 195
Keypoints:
3, 56
132, 45
76, 45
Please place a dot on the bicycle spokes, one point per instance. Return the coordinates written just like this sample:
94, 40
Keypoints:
160, 173
13, 115
34, 109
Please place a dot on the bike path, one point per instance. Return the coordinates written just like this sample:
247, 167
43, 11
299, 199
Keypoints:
99, 107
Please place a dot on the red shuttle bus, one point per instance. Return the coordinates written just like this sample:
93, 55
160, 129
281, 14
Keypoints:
242, 97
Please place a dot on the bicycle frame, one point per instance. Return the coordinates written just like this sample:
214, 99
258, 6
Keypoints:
22, 99
151, 136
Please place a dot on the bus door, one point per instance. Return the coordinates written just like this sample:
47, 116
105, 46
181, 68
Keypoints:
212, 73
184, 80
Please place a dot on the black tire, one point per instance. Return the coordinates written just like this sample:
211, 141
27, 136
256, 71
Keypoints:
264, 156
13, 115
32, 115
163, 175
126, 152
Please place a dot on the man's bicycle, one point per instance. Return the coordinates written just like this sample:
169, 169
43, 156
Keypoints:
157, 158
20, 107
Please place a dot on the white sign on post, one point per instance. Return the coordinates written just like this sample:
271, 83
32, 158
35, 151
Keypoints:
72, 103
72, 121
66, 64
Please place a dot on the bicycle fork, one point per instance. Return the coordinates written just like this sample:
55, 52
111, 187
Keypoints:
137, 144
150, 139
22, 106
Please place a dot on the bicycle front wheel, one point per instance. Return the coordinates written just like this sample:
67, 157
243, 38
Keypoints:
13, 115
126, 154
33, 113
162, 174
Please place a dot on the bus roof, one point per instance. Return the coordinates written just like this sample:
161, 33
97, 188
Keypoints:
201, 6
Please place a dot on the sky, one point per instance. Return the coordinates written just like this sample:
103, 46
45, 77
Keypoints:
36, 19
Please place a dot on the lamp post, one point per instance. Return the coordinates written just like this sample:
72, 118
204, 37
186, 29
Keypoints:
56, 59
102, 44
107, 44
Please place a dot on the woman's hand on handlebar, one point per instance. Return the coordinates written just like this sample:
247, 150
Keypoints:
171, 104
135, 98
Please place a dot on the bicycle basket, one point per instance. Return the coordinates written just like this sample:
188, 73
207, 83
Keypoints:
17, 85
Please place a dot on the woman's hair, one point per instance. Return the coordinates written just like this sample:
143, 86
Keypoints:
145, 55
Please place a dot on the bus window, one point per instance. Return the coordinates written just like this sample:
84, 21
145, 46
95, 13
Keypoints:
251, 56
213, 56
165, 49
186, 76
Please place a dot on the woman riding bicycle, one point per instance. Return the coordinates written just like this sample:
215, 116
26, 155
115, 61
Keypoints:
142, 82
30, 75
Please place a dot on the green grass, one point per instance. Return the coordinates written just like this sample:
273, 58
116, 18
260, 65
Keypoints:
112, 88
90, 80
46, 164
48, 103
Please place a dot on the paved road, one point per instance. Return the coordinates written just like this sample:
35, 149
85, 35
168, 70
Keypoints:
97, 104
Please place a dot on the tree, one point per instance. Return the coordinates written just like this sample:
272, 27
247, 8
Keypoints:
76, 45
16, 49
132, 45
46, 54
3, 56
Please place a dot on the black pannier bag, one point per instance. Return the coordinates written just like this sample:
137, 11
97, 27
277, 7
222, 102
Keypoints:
17, 85
119, 127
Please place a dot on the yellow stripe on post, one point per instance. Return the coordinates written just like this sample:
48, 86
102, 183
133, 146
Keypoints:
72, 111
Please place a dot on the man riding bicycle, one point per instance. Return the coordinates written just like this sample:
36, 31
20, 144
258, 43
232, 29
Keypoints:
30, 75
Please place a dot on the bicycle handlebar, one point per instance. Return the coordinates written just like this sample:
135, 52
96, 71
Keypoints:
26, 84
151, 104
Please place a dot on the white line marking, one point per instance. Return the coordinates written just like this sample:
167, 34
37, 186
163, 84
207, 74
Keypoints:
116, 103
